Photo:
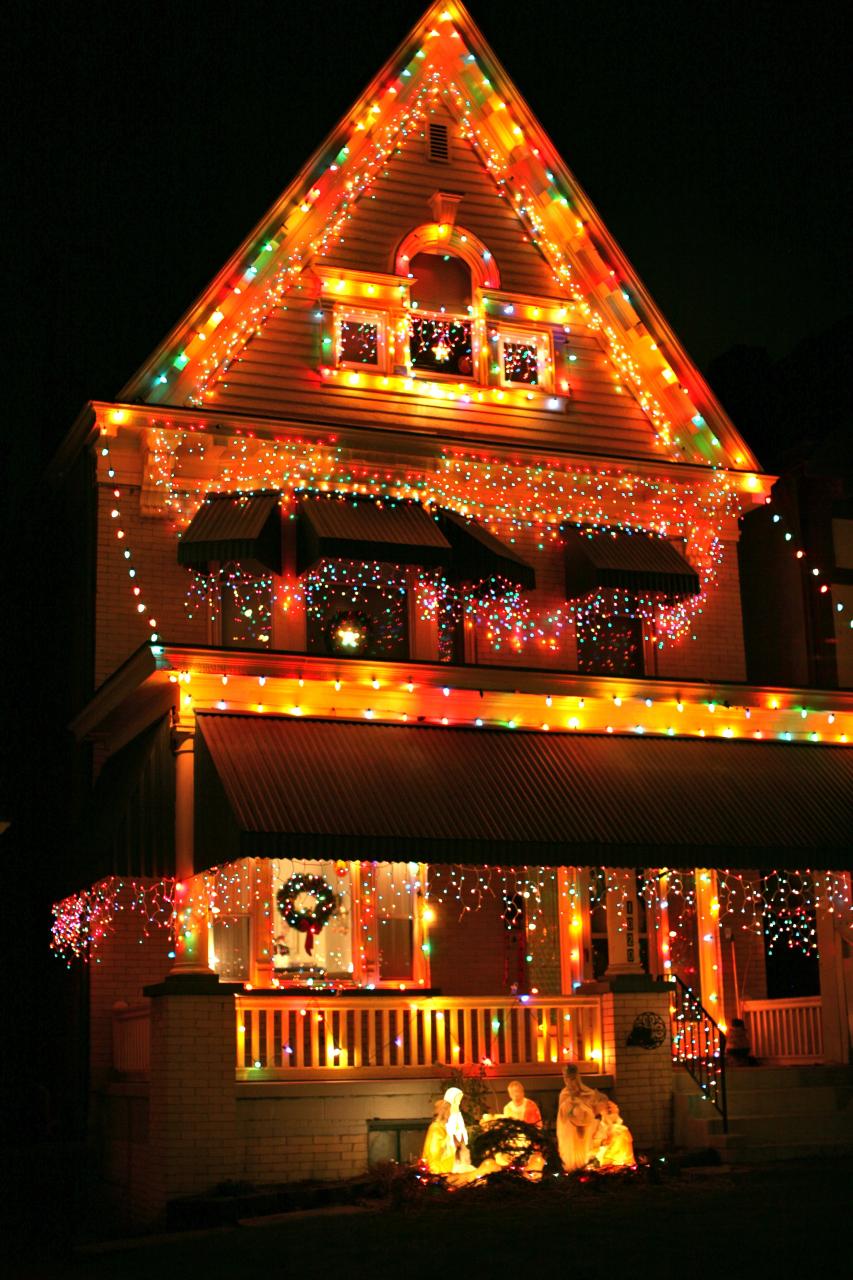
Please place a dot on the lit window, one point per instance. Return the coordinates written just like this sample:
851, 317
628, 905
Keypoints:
610, 646
246, 602
360, 340
523, 359
441, 345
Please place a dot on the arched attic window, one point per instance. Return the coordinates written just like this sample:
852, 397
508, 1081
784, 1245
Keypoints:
445, 264
441, 338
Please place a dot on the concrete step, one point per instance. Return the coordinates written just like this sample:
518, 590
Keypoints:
814, 1076
775, 1102
745, 1079
780, 1102
761, 1152
784, 1128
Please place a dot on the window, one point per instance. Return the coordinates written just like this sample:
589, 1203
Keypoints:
230, 938
357, 609
440, 328
371, 934
329, 953
441, 345
610, 646
246, 600
523, 359
360, 339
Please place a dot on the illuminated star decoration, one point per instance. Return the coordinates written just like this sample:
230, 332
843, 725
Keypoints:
441, 350
349, 637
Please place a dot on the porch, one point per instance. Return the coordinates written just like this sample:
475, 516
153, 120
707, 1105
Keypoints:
290, 1036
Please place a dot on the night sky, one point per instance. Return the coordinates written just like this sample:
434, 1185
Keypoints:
708, 135
147, 140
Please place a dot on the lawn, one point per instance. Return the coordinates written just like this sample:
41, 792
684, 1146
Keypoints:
782, 1220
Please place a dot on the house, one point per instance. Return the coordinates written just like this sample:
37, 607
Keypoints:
420, 728
796, 562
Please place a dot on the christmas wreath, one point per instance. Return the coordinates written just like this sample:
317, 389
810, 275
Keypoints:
311, 920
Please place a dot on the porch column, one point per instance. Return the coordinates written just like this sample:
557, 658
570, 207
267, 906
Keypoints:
834, 1013
623, 943
573, 916
191, 931
193, 1133
709, 944
660, 916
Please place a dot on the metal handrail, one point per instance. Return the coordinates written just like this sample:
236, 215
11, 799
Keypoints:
699, 1045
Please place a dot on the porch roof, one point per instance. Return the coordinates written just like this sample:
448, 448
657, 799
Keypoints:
284, 787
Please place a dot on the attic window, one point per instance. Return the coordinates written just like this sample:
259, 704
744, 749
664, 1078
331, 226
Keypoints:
439, 143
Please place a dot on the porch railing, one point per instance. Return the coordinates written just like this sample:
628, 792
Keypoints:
132, 1040
699, 1045
785, 1030
286, 1038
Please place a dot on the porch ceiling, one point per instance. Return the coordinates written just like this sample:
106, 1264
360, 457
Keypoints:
279, 786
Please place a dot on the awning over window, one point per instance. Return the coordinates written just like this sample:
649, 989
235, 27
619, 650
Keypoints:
335, 528
318, 789
629, 561
478, 554
233, 526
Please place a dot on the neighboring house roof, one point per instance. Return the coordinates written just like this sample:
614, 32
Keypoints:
446, 54
282, 787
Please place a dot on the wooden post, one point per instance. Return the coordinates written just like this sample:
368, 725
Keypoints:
573, 917
709, 946
834, 1013
191, 925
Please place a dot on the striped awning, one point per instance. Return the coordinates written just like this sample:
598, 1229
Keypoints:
282, 787
620, 558
478, 555
344, 528
234, 526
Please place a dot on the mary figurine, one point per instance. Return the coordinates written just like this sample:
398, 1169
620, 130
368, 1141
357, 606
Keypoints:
457, 1132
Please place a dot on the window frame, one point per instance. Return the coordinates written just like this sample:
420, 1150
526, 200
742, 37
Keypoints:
543, 342
345, 314
435, 375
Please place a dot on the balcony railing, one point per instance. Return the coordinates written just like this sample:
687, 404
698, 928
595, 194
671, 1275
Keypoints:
788, 1031
375, 1036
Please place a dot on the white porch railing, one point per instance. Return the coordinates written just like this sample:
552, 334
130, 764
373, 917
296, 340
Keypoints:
132, 1039
785, 1030
287, 1038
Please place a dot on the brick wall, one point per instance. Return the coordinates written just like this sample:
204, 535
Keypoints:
125, 962
717, 653
119, 628
643, 1084
192, 1110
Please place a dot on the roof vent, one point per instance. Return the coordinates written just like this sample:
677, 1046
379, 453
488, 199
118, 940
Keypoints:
439, 143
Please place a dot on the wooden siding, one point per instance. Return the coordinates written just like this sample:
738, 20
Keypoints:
399, 201
277, 373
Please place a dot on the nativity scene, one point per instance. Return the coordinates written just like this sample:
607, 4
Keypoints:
590, 1134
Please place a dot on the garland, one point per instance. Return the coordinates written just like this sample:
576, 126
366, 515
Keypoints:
310, 921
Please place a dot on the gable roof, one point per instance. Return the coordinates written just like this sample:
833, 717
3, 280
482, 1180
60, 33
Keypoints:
445, 62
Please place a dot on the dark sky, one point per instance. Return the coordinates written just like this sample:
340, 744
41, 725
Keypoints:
148, 141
